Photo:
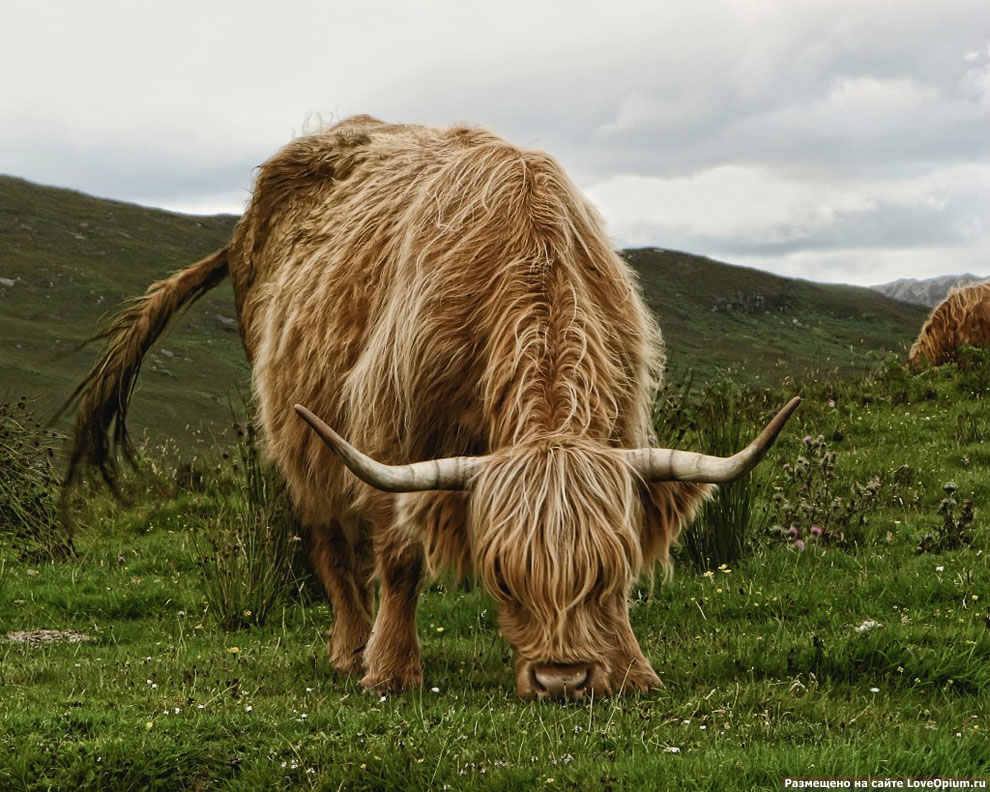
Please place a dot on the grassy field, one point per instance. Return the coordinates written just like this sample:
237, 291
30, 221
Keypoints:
860, 657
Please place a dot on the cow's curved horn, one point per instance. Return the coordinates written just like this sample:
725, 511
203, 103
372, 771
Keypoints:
450, 473
666, 464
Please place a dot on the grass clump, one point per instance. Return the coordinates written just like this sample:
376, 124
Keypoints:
29, 486
720, 533
248, 557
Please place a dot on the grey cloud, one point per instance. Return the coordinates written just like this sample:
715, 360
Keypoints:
887, 225
647, 89
135, 170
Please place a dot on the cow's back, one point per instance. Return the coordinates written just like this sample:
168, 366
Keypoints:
429, 293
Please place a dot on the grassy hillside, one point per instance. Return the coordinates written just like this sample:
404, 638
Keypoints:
716, 315
865, 650
72, 258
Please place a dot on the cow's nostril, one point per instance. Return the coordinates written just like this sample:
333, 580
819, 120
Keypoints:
561, 680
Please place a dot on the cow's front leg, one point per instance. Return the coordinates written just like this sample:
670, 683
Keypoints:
342, 562
392, 657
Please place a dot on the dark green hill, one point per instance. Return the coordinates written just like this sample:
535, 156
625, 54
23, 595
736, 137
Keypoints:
716, 316
72, 258
66, 259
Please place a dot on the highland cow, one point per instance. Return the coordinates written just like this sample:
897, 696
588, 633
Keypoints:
961, 319
451, 304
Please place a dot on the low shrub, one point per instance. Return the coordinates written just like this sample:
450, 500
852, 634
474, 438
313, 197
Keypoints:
972, 375
29, 486
249, 553
807, 505
956, 530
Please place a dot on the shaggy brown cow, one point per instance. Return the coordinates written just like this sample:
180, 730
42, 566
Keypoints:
962, 318
437, 293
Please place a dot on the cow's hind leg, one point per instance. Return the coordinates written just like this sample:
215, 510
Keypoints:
343, 563
392, 658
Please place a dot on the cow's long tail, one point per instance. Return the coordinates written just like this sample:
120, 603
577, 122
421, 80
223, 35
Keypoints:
103, 396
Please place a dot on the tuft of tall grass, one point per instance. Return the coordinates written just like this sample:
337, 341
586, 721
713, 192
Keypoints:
673, 415
719, 535
29, 485
249, 555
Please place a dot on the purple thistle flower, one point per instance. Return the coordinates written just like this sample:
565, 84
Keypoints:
793, 531
807, 439
799, 544
816, 530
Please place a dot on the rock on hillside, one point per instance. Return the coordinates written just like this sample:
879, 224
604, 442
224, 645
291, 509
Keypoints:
928, 292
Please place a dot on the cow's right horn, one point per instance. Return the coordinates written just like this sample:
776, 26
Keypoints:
667, 464
450, 473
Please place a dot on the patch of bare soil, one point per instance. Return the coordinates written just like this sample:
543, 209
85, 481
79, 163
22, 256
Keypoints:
38, 637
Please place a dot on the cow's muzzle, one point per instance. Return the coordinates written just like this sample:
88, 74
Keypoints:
552, 680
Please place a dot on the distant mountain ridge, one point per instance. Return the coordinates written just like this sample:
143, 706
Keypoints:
929, 291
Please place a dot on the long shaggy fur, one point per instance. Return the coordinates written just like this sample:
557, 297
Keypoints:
537, 516
962, 318
434, 293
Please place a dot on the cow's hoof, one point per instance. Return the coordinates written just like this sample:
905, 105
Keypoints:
346, 662
345, 651
397, 681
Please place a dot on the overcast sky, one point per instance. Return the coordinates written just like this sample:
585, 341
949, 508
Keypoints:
833, 140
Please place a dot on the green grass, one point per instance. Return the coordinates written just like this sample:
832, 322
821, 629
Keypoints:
765, 671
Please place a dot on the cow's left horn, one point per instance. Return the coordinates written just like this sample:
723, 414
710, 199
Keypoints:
450, 473
666, 464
